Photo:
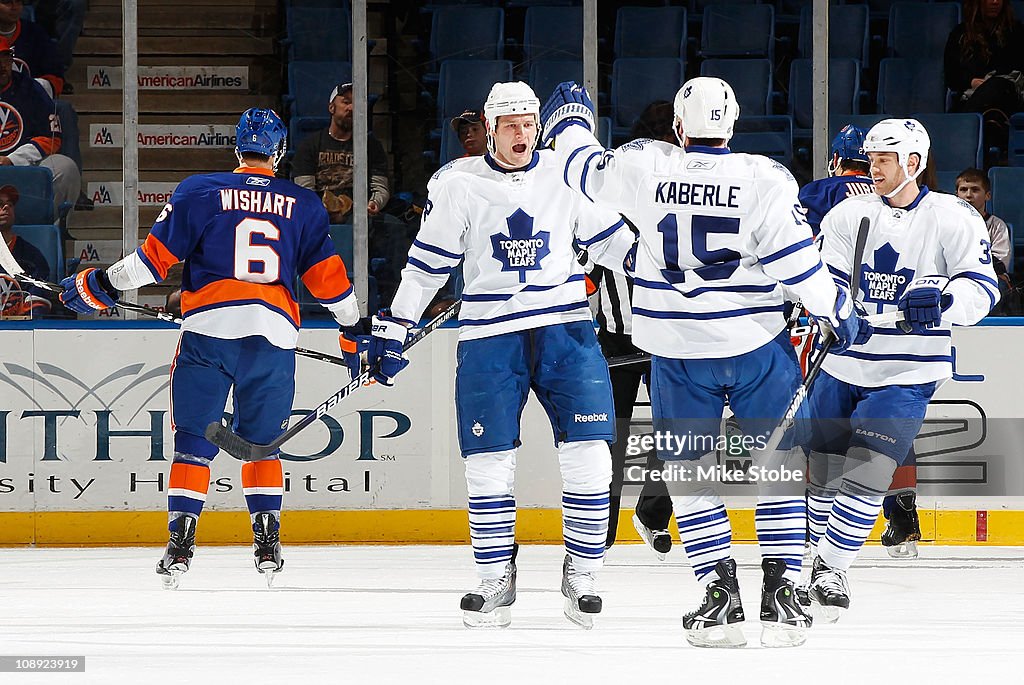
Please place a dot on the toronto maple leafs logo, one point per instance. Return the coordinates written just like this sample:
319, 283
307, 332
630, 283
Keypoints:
521, 249
883, 284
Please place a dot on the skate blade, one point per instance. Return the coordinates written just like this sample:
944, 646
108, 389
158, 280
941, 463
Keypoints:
641, 530
826, 614
499, 617
172, 579
904, 550
729, 636
572, 612
782, 635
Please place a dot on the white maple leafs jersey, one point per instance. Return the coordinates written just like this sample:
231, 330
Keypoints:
514, 232
937, 235
719, 231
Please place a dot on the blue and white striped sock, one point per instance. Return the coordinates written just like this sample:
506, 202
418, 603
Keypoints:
781, 524
585, 527
849, 524
705, 532
492, 528
818, 506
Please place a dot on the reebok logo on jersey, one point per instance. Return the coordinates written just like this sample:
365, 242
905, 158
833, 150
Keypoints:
700, 164
878, 436
257, 181
589, 418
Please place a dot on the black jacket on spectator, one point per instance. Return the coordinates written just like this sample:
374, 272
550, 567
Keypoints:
1002, 59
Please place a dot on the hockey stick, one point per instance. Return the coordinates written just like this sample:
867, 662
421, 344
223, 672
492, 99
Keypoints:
789, 417
235, 445
626, 359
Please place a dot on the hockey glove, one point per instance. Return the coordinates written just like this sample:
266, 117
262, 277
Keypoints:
569, 104
354, 349
385, 355
847, 323
923, 302
88, 291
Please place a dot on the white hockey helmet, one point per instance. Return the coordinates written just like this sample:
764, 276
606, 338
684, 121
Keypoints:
905, 137
707, 108
513, 97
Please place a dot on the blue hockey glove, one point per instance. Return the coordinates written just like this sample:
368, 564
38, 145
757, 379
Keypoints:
923, 303
847, 323
354, 349
569, 105
88, 291
385, 354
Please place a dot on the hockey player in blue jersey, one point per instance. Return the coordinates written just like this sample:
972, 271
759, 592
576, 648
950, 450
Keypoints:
525, 324
719, 232
847, 177
245, 236
927, 255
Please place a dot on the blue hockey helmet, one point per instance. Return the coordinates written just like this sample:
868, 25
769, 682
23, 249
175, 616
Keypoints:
262, 132
847, 146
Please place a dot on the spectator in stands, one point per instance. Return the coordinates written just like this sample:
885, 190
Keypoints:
17, 302
973, 186
469, 127
63, 20
33, 48
655, 122
324, 162
984, 63
31, 134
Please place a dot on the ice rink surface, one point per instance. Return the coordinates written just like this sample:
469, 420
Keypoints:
374, 615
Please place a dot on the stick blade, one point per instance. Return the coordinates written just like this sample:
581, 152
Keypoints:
232, 443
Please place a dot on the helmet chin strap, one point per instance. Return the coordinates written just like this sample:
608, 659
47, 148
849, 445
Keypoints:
676, 123
907, 179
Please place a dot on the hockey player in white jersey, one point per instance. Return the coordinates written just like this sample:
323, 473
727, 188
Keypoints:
929, 255
525, 324
719, 232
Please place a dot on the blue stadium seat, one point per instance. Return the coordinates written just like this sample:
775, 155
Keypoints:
910, 85
309, 87
35, 192
553, 33
464, 84
650, 32
836, 121
738, 30
956, 140
751, 80
545, 74
919, 30
604, 131
848, 35
45, 238
1016, 147
947, 181
319, 33
467, 33
636, 82
844, 85
771, 136
450, 146
1008, 202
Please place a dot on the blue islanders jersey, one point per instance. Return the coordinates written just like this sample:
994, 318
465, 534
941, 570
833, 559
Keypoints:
818, 197
245, 238
514, 231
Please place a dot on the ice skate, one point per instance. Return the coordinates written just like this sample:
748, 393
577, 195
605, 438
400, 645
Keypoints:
178, 555
580, 590
903, 527
716, 623
829, 591
266, 546
783, 621
804, 584
490, 604
658, 540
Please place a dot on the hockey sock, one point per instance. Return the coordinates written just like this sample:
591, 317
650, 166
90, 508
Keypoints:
263, 486
849, 523
819, 503
492, 528
781, 525
704, 531
187, 485
585, 527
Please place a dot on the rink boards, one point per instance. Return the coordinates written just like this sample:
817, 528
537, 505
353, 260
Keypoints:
85, 445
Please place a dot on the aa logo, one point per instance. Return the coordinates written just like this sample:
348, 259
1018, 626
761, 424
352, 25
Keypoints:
100, 79
101, 196
11, 128
89, 254
103, 137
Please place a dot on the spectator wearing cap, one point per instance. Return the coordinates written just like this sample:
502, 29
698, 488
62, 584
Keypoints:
324, 161
25, 253
469, 127
30, 133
